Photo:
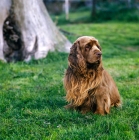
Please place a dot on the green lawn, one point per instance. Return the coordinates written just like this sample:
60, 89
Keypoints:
32, 95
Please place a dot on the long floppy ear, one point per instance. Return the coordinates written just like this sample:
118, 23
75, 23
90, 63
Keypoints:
76, 59
73, 56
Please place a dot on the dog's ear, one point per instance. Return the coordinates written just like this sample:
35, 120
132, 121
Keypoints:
76, 59
73, 55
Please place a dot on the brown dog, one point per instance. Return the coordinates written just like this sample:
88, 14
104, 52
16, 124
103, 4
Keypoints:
89, 87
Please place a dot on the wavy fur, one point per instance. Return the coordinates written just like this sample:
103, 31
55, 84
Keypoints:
88, 86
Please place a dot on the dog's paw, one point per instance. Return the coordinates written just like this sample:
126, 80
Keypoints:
69, 106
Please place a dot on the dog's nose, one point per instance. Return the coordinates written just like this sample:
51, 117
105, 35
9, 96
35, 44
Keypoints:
99, 54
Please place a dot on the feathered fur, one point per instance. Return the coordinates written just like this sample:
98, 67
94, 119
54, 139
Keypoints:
88, 86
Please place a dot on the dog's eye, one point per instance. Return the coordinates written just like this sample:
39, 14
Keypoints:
99, 47
87, 47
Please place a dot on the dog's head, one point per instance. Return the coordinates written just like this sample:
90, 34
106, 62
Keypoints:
85, 51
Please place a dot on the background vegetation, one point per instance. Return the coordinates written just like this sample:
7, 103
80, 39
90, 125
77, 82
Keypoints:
32, 95
81, 11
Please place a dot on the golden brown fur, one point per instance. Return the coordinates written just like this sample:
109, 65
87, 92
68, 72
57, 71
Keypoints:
89, 87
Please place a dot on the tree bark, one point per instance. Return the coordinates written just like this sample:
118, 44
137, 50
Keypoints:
4, 11
38, 34
93, 12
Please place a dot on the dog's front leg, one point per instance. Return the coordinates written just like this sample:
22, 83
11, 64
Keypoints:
103, 102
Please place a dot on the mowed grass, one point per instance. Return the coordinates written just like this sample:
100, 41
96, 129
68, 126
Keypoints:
32, 94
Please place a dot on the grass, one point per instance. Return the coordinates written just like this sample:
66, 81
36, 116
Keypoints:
32, 95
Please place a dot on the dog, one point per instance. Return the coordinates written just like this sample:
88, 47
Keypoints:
89, 87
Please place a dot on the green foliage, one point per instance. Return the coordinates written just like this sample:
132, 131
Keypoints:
108, 12
119, 11
32, 95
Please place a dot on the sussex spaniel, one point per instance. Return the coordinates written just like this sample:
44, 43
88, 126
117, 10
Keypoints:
88, 85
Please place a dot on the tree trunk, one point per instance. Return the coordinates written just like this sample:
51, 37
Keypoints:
93, 12
35, 34
4, 11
